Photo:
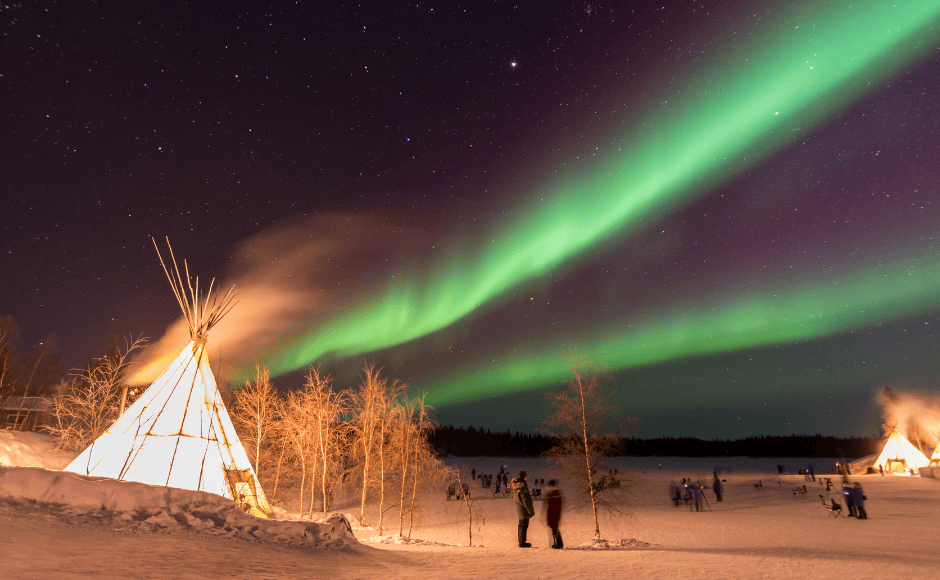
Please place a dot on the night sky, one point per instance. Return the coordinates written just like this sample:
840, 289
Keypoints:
733, 205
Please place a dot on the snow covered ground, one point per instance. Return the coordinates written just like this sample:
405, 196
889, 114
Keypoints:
51, 528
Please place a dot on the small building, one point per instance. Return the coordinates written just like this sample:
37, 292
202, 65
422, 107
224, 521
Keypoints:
24, 413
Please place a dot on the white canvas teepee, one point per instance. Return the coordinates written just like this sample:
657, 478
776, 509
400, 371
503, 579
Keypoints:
178, 433
899, 455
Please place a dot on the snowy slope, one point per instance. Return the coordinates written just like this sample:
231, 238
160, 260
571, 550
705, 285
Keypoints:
52, 525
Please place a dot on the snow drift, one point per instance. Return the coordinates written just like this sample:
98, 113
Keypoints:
163, 507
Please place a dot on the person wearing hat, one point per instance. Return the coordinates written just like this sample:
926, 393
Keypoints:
524, 508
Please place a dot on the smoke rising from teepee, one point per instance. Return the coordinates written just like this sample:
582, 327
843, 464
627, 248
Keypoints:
916, 416
287, 278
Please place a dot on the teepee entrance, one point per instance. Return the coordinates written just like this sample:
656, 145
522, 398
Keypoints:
178, 433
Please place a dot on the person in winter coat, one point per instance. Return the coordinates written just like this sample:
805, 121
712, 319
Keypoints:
524, 508
858, 500
719, 489
849, 499
553, 504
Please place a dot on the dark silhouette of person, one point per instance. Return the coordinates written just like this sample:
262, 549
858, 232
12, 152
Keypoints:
858, 500
719, 489
524, 508
849, 499
473, 473
694, 493
674, 494
553, 505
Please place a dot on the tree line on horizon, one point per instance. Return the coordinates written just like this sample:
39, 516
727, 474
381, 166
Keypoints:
472, 442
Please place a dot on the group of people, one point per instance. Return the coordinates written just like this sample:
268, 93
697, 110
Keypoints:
693, 494
552, 506
855, 500
452, 491
486, 480
525, 510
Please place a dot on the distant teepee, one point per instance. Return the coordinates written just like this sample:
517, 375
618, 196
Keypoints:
899, 455
178, 433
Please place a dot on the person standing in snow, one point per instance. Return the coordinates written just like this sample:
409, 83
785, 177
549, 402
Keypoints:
553, 505
524, 508
694, 493
716, 485
674, 494
849, 499
858, 500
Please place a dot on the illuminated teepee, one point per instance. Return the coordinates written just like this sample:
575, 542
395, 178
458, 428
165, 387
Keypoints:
899, 455
178, 433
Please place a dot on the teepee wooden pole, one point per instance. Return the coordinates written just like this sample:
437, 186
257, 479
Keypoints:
201, 315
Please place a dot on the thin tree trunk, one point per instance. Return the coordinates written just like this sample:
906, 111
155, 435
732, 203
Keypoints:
414, 492
587, 461
30, 379
466, 500
313, 490
277, 473
258, 428
303, 481
381, 480
365, 486
323, 484
401, 493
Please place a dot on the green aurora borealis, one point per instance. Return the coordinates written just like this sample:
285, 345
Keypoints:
823, 308
712, 124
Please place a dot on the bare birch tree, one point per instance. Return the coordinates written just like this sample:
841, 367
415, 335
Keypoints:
386, 459
281, 443
469, 502
579, 412
426, 467
254, 414
297, 435
403, 443
82, 409
326, 408
371, 405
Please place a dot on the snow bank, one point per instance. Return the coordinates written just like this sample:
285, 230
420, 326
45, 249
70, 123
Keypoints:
163, 507
31, 450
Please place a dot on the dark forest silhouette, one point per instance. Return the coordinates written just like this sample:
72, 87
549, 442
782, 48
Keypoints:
472, 442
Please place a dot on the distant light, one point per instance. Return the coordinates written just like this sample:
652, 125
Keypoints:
513, 64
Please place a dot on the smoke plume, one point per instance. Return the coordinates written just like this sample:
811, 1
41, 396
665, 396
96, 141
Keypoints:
916, 416
287, 278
